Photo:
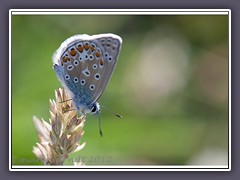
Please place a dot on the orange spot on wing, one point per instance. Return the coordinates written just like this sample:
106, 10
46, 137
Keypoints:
73, 52
98, 54
101, 62
86, 47
80, 48
65, 59
92, 48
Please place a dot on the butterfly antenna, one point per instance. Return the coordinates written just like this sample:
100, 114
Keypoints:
118, 115
99, 125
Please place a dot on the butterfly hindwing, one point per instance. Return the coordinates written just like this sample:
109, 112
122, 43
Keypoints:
84, 65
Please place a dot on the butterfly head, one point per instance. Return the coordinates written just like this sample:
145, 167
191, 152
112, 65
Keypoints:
95, 109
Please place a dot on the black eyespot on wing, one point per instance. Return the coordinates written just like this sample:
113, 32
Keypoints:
92, 87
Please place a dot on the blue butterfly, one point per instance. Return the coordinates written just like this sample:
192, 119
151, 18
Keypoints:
84, 65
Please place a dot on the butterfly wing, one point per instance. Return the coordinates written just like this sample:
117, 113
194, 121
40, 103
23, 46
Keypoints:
110, 45
84, 65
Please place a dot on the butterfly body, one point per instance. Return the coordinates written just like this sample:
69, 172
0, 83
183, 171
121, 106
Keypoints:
84, 65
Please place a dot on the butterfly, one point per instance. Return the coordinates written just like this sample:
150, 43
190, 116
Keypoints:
84, 65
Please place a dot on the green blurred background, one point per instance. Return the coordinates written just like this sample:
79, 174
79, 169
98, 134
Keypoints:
170, 85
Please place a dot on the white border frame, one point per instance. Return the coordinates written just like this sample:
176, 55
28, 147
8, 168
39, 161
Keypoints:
120, 12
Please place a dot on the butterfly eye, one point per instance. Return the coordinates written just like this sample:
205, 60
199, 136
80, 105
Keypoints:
94, 109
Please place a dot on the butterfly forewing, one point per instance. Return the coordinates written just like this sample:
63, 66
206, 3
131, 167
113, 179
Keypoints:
111, 46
